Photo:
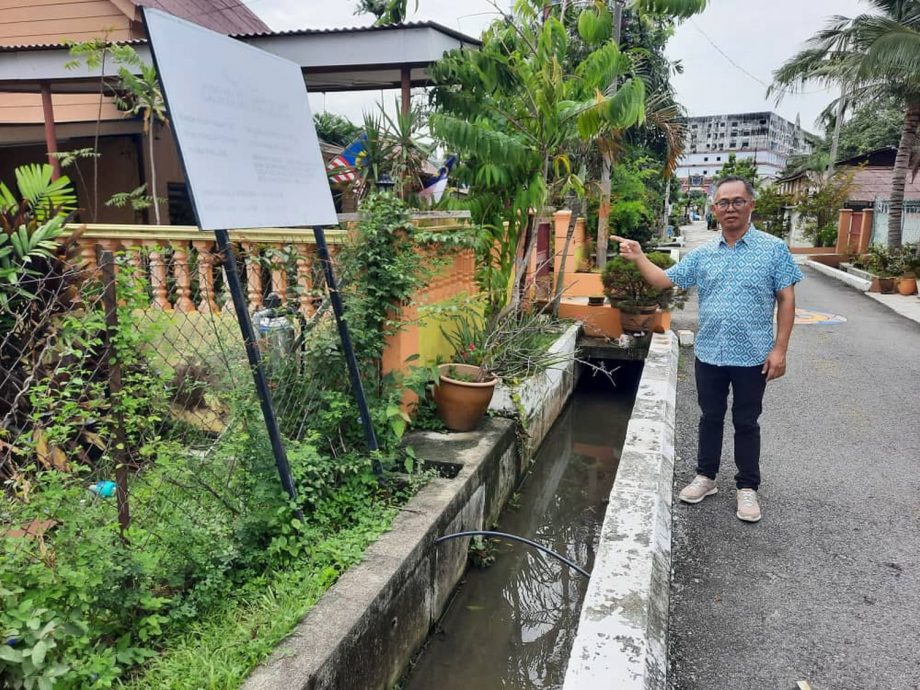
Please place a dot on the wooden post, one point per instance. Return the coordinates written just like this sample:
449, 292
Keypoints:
865, 231
50, 134
406, 79
120, 448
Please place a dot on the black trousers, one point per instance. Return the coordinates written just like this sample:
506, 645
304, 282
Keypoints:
748, 386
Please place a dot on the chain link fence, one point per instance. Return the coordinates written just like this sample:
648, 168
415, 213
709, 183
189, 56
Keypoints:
138, 481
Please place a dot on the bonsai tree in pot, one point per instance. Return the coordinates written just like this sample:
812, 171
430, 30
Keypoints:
628, 291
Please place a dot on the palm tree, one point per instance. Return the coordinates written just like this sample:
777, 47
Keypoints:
871, 56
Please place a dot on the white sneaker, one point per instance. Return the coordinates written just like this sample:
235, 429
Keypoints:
748, 506
698, 489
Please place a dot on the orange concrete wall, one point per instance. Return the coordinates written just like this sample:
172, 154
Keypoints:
36, 22
833, 260
812, 250
454, 278
583, 285
576, 284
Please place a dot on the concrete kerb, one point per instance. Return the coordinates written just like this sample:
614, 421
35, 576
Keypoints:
853, 281
622, 632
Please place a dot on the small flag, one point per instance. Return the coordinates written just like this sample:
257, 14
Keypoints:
434, 187
343, 168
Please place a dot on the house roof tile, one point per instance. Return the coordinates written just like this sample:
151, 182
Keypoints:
224, 16
874, 183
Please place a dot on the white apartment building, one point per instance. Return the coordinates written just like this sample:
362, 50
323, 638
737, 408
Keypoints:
765, 137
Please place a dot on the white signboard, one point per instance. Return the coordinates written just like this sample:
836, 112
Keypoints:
244, 128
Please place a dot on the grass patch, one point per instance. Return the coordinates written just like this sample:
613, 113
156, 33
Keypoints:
223, 647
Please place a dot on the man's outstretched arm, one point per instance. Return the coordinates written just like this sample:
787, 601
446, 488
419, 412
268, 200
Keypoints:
632, 251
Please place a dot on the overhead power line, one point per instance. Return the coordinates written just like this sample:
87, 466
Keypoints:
746, 72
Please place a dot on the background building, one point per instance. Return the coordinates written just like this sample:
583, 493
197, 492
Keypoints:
765, 137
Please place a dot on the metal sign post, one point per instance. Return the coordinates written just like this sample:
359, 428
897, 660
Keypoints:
357, 388
255, 363
251, 158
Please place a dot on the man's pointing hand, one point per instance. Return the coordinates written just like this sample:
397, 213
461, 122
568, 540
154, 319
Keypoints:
629, 249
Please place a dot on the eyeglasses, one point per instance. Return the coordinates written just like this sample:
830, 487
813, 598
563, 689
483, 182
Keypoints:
736, 203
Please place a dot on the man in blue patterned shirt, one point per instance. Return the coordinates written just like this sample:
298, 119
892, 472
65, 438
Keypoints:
742, 275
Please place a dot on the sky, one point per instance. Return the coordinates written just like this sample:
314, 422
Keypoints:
729, 52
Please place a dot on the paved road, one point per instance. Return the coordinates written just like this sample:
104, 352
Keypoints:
826, 588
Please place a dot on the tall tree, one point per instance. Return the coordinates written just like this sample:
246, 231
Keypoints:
386, 11
644, 31
745, 168
875, 56
514, 111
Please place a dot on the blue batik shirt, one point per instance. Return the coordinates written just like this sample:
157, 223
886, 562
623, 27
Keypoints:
737, 291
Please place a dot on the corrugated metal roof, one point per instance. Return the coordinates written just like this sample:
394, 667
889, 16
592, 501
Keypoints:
269, 33
364, 29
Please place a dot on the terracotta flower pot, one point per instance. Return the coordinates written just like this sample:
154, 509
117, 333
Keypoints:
886, 285
907, 286
638, 318
461, 404
662, 322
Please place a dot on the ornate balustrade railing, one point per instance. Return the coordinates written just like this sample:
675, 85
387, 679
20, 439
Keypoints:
183, 267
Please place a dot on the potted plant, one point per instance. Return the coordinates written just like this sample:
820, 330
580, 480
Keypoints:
628, 291
908, 263
881, 263
462, 395
511, 345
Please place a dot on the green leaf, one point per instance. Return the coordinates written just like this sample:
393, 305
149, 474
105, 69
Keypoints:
7, 653
679, 9
38, 653
595, 25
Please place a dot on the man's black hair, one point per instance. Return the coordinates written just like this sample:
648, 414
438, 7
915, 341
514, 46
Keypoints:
748, 187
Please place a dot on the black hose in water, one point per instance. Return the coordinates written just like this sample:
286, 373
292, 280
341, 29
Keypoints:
514, 537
